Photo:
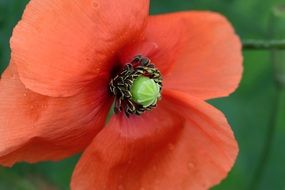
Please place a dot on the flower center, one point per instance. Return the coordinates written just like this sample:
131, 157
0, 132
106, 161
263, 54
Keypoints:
145, 91
137, 88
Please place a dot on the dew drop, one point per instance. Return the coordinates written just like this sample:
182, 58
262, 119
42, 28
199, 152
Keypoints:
121, 187
190, 165
171, 147
129, 162
13, 76
154, 168
95, 4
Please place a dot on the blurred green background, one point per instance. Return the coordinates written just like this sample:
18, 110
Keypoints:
250, 110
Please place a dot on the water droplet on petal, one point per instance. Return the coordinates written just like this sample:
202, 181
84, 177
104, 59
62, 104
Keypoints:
154, 168
190, 165
95, 4
171, 147
129, 162
13, 76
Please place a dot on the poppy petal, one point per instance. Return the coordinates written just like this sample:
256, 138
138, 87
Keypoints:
183, 144
35, 128
59, 46
198, 52
159, 42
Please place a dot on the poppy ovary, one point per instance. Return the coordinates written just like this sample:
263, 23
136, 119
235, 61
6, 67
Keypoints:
137, 88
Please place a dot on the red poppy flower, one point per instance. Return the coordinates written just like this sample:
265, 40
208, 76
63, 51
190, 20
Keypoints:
71, 58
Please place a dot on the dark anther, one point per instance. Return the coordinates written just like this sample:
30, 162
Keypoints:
120, 85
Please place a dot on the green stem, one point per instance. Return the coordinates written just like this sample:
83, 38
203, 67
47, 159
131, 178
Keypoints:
265, 154
263, 44
276, 31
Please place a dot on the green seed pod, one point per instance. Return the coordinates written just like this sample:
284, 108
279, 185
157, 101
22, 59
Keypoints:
145, 91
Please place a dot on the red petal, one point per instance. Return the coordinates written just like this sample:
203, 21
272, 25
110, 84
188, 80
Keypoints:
160, 42
60, 45
201, 46
183, 144
209, 64
36, 128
